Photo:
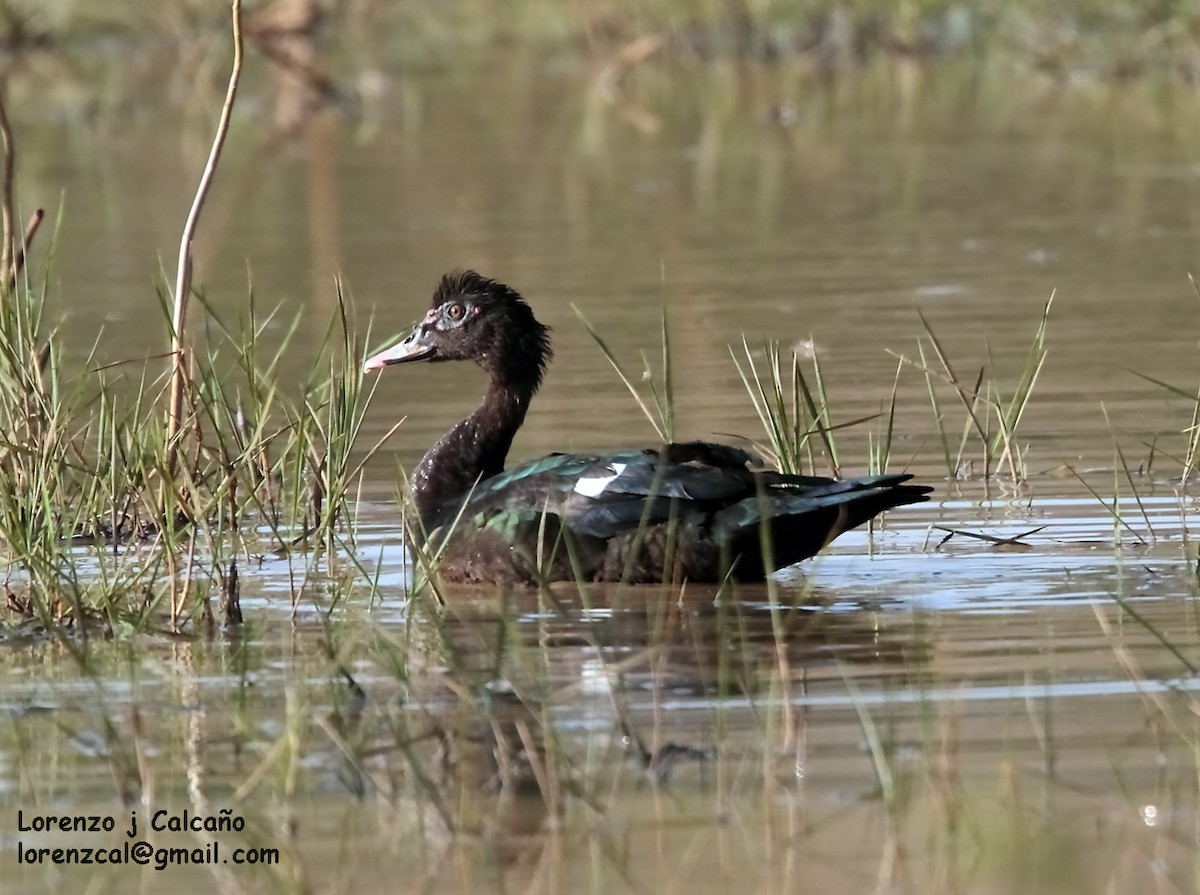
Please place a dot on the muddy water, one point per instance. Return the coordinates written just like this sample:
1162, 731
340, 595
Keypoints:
910, 713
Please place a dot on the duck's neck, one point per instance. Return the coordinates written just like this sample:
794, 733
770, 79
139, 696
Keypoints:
474, 450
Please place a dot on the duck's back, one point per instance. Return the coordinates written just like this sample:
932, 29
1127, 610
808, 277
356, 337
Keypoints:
691, 511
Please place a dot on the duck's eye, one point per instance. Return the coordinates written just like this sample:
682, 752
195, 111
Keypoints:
456, 312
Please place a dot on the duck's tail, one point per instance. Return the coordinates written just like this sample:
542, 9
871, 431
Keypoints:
794, 517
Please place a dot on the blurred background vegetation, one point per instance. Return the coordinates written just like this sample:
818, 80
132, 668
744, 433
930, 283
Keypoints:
1068, 38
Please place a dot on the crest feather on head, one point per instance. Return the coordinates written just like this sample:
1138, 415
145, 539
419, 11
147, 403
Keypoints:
518, 332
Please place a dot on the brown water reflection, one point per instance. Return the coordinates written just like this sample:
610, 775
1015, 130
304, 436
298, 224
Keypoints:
642, 740
902, 716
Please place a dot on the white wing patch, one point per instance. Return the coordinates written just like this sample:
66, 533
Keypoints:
594, 486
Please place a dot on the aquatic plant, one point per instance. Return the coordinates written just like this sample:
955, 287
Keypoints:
162, 505
985, 403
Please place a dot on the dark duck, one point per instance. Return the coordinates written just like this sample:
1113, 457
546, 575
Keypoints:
694, 511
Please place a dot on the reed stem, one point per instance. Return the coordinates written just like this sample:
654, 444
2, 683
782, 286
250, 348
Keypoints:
183, 275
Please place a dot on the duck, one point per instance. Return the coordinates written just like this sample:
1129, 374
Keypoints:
692, 511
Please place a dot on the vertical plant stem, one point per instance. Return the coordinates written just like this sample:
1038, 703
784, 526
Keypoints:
7, 219
183, 276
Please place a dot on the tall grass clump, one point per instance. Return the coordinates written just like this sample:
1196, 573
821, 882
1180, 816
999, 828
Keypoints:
796, 414
86, 468
987, 443
38, 457
160, 504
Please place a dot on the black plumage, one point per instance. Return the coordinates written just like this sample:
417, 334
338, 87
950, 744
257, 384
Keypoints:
693, 510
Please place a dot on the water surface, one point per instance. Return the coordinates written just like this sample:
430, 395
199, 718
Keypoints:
905, 713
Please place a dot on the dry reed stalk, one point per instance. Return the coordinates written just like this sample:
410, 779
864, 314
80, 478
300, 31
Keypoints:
31, 229
12, 255
183, 276
7, 220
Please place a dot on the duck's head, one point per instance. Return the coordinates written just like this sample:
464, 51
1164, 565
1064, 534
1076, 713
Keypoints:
474, 318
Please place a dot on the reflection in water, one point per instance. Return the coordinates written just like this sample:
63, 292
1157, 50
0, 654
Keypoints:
646, 734
286, 33
965, 196
497, 690
662, 641
503, 692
